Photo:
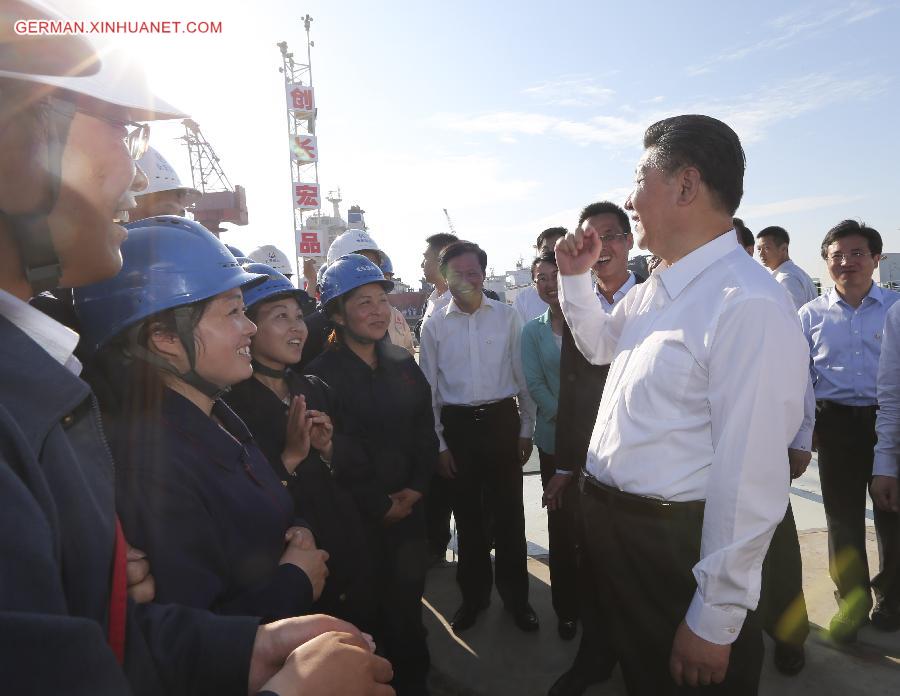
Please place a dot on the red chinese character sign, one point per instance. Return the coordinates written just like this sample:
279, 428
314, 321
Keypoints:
301, 100
306, 196
304, 148
310, 244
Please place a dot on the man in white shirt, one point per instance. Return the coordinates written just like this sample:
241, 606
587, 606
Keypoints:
687, 472
772, 244
470, 354
527, 303
440, 296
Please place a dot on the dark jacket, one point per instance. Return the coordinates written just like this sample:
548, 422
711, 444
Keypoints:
209, 512
580, 390
319, 327
388, 412
57, 532
318, 498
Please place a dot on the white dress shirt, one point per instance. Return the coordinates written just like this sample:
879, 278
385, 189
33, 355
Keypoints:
704, 394
475, 359
58, 340
529, 304
887, 424
797, 283
435, 301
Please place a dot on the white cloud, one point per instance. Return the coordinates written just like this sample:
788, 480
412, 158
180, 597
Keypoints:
570, 91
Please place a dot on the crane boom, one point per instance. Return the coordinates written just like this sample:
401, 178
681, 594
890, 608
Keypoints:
449, 222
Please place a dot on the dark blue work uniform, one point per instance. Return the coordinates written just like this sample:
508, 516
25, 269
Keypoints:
387, 411
200, 499
57, 532
327, 506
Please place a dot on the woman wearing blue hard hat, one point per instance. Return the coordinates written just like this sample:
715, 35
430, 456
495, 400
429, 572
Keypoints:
289, 415
383, 401
193, 489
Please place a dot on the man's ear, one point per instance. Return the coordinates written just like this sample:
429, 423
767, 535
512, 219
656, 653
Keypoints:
689, 182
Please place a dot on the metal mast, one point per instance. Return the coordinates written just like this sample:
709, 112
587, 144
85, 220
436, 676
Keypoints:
303, 152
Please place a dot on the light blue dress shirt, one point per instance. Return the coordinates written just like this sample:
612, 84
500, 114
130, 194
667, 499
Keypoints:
845, 344
887, 451
540, 363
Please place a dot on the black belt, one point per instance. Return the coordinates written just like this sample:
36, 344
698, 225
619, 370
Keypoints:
638, 504
845, 408
480, 412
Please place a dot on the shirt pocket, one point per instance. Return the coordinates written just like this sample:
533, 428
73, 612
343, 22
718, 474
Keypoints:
666, 381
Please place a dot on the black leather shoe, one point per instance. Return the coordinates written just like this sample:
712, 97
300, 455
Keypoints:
886, 617
525, 618
466, 616
567, 629
789, 659
574, 683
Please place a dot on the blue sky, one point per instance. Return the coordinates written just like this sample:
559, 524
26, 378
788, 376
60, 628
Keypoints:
515, 115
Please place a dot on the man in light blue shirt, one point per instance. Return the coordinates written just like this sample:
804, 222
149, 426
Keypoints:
844, 328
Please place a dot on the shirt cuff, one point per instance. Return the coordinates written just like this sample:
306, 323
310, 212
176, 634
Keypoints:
885, 465
564, 472
719, 625
802, 440
527, 430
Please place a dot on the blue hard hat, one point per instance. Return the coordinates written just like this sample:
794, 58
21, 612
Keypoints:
275, 284
348, 273
168, 262
386, 266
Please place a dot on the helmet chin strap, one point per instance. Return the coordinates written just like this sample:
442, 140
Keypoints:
268, 371
32, 230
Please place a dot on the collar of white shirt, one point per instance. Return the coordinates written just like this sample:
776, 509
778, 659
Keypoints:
486, 302
679, 275
875, 293
58, 340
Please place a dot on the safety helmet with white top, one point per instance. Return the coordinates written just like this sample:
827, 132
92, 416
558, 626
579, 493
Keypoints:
351, 242
169, 262
348, 273
274, 257
161, 176
66, 75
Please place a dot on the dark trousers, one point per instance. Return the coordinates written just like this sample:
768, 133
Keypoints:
846, 436
484, 445
400, 559
782, 606
563, 566
642, 555
437, 515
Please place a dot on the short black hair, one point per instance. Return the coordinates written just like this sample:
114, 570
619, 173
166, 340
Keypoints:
547, 257
441, 239
548, 233
779, 234
458, 248
744, 233
708, 145
604, 207
846, 228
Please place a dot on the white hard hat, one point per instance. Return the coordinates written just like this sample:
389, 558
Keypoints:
163, 177
118, 88
274, 257
351, 242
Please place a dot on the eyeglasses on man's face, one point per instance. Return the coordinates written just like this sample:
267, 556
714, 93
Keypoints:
854, 255
137, 138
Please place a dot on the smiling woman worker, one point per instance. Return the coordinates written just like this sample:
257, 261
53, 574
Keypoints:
289, 416
193, 489
384, 403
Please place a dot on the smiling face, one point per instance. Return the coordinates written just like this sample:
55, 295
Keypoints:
366, 313
98, 180
614, 245
280, 333
851, 273
465, 278
223, 340
545, 281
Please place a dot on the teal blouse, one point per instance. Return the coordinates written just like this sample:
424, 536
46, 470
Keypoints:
540, 363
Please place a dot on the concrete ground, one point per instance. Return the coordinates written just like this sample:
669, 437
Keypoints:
496, 659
